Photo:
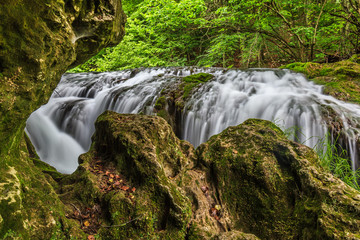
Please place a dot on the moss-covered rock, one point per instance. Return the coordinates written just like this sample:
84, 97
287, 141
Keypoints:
29, 204
145, 150
193, 81
171, 101
341, 79
39, 41
275, 188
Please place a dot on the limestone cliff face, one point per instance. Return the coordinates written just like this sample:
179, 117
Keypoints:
39, 41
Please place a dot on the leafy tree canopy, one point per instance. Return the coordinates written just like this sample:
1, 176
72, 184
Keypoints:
232, 33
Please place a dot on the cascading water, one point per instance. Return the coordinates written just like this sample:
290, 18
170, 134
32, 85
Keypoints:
61, 130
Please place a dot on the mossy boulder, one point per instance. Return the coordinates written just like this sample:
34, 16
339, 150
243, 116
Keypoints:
275, 188
39, 41
152, 159
29, 204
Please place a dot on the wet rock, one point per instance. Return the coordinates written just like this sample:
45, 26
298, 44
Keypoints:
171, 102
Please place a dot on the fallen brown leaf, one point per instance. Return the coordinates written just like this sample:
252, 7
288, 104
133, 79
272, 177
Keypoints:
213, 212
90, 237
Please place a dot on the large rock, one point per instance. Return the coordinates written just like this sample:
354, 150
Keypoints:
151, 160
275, 188
39, 41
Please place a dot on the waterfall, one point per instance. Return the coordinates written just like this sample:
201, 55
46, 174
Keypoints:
61, 130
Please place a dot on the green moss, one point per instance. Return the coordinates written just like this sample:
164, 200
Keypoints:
47, 169
341, 79
194, 233
160, 103
188, 88
193, 81
355, 58
29, 195
198, 78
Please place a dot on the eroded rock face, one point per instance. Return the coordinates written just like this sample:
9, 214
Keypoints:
39, 41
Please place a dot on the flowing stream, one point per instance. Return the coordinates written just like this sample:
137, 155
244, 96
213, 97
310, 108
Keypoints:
61, 130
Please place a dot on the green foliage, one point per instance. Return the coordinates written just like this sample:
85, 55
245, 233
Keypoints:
232, 33
220, 51
334, 158
10, 234
129, 6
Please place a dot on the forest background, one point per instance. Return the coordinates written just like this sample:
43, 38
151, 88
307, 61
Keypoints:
232, 33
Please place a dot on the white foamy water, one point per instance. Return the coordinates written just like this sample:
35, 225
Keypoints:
62, 129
